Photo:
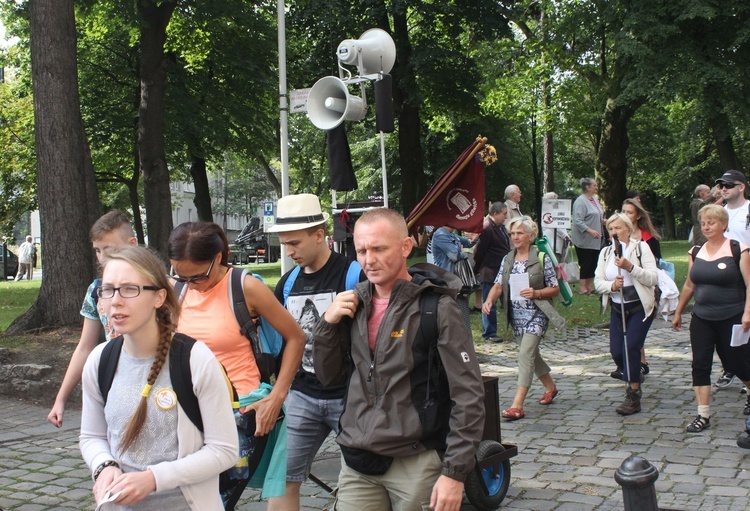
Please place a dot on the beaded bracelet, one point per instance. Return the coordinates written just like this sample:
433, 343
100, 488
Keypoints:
108, 463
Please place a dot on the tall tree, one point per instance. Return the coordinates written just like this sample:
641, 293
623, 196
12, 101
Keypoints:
154, 18
67, 192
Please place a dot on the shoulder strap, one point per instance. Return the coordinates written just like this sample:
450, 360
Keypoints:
237, 299
736, 252
108, 365
428, 326
182, 378
352, 275
248, 327
428, 317
696, 249
639, 253
290, 280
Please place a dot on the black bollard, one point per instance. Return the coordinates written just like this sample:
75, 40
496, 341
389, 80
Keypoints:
637, 477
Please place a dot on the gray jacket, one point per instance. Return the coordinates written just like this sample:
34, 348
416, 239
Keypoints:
586, 216
380, 413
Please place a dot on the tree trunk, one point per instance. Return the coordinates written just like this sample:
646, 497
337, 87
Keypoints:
66, 185
611, 162
721, 130
413, 183
135, 201
669, 229
153, 72
536, 200
269, 173
202, 198
549, 144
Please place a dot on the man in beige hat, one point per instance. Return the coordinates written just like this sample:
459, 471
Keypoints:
312, 410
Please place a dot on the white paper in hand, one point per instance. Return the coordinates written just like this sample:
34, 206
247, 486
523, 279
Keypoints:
517, 282
106, 503
739, 336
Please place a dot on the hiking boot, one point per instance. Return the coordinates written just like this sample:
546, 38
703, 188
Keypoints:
725, 380
616, 374
632, 403
744, 440
699, 424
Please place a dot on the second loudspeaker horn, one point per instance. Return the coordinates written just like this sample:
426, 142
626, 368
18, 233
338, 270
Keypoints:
329, 104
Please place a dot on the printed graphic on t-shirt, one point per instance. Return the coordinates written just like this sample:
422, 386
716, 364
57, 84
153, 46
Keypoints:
307, 310
109, 330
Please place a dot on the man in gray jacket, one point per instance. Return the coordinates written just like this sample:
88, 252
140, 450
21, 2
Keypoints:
395, 453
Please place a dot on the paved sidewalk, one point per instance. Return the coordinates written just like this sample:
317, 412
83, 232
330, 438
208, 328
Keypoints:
568, 451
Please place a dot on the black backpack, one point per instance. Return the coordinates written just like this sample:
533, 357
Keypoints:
432, 382
181, 377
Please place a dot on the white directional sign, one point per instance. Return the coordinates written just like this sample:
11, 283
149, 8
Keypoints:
556, 214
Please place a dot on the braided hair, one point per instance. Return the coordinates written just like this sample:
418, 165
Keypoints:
150, 266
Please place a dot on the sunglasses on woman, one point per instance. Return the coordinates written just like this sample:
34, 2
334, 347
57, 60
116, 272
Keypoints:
728, 186
199, 279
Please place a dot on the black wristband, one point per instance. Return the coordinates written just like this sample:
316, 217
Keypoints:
108, 463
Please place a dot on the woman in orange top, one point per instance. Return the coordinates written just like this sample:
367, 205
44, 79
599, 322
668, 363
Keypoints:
198, 252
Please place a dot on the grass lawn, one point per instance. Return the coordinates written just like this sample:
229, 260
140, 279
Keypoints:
16, 297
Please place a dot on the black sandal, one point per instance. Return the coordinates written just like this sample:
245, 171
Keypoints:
699, 424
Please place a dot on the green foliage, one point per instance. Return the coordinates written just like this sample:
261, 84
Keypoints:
18, 168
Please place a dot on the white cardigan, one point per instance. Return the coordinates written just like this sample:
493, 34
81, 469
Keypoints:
644, 277
201, 457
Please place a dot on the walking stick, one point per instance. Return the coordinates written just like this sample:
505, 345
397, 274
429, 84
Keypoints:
618, 252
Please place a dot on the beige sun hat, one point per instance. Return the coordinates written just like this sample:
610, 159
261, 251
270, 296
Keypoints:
296, 212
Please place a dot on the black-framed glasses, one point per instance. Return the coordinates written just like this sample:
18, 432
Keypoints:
200, 279
126, 291
728, 186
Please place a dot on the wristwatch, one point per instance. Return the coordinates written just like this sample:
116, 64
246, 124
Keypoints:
108, 463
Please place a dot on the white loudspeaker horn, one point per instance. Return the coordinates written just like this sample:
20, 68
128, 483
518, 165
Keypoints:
377, 48
329, 104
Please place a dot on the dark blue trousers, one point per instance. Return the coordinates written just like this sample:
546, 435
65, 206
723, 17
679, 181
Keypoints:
631, 342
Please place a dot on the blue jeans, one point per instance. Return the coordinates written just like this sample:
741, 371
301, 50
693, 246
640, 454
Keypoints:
489, 321
308, 422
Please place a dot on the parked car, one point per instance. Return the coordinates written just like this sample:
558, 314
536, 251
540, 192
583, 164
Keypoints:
9, 270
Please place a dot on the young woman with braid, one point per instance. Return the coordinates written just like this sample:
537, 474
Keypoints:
140, 445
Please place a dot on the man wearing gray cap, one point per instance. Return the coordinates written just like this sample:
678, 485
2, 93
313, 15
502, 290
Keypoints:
312, 410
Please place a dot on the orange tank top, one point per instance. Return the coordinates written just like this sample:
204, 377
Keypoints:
208, 317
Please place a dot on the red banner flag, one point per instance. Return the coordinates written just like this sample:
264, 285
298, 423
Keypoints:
457, 198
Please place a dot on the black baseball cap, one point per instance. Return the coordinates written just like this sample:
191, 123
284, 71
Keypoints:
732, 176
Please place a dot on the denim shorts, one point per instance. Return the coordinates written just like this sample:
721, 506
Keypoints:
309, 420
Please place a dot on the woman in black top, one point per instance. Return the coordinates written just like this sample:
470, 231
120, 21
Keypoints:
720, 287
